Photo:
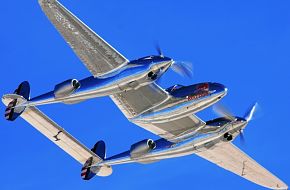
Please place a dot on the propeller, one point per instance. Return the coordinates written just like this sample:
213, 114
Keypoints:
251, 111
159, 50
223, 111
242, 137
248, 117
182, 68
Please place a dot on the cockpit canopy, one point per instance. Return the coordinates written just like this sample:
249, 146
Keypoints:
174, 87
218, 122
148, 57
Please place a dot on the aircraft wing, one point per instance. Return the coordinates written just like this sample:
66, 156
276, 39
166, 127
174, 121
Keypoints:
231, 158
97, 55
135, 102
175, 129
56, 134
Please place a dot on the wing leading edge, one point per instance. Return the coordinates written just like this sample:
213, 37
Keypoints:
98, 56
231, 158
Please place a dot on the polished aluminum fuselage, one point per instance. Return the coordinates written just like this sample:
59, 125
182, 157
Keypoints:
173, 108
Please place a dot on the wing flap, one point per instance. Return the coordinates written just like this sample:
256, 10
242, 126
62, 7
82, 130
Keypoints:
231, 158
98, 56
56, 134
134, 102
175, 129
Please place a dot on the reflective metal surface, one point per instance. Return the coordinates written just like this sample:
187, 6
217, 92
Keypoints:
98, 56
192, 144
132, 77
166, 113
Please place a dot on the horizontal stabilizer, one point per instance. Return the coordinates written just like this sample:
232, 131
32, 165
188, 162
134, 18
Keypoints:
55, 133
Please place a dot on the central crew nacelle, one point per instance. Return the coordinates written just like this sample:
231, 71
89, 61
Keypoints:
184, 100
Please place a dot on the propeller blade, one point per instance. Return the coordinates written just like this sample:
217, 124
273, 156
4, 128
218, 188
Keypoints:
251, 111
158, 49
223, 111
182, 68
242, 137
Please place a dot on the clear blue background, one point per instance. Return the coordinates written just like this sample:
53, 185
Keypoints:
243, 44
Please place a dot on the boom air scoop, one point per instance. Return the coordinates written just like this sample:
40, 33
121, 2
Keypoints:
21, 95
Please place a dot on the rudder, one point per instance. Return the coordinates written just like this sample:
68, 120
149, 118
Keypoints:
23, 90
88, 171
100, 149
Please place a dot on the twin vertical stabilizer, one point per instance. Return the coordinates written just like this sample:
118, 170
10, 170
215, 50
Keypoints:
21, 95
89, 171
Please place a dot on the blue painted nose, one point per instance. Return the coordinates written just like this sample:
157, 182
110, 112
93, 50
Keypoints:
218, 88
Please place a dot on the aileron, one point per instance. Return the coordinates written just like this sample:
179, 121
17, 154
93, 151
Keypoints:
229, 157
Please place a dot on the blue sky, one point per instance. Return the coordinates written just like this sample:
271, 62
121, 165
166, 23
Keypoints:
242, 44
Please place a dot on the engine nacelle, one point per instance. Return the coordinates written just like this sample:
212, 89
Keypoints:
141, 148
66, 88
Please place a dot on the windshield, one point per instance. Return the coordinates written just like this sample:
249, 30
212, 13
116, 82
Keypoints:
146, 58
218, 121
174, 87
